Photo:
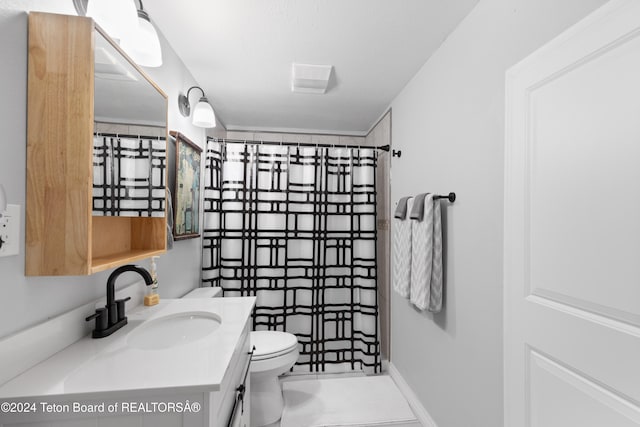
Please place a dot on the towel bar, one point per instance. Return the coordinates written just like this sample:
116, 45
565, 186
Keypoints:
450, 196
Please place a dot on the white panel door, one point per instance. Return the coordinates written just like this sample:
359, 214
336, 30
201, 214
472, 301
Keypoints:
572, 227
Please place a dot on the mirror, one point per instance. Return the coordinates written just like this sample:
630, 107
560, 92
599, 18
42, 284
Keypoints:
129, 144
122, 93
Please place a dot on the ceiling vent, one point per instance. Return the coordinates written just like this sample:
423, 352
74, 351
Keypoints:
310, 78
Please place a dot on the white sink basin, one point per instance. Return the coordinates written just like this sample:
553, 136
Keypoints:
173, 330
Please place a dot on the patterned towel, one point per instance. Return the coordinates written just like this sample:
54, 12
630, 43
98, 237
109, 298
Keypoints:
401, 208
426, 255
435, 297
401, 268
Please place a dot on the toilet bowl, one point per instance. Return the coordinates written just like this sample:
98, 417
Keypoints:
275, 353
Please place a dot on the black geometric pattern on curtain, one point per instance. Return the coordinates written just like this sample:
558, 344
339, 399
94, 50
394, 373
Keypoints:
296, 227
212, 230
129, 175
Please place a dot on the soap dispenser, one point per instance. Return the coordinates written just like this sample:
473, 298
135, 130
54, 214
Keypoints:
152, 298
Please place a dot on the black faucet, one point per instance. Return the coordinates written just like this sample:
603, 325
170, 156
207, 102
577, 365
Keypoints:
111, 318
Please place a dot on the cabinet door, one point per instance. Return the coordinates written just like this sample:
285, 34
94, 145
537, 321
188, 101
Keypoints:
129, 141
241, 414
235, 405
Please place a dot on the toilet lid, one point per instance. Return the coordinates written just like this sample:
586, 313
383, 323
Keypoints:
272, 344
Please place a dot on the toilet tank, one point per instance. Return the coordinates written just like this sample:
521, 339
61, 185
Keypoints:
210, 292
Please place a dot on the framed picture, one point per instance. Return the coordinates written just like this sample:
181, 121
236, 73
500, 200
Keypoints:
186, 203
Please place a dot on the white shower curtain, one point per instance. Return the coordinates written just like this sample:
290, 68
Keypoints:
129, 175
296, 227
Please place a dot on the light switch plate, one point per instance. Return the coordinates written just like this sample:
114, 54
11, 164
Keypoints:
10, 231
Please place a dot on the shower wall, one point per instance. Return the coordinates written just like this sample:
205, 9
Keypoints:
381, 135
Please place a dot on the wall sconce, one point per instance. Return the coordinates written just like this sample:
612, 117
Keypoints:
203, 115
144, 45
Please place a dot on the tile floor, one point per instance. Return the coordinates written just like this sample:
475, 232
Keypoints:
307, 377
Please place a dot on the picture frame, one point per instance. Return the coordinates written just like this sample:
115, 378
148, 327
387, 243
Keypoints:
187, 192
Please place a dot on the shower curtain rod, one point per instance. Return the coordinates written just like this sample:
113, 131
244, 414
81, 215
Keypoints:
125, 135
296, 144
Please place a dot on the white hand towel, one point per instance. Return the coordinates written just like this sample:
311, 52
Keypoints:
401, 268
435, 296
421, 251
426, 255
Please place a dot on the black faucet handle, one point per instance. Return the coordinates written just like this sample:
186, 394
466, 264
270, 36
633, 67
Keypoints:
120, 307
101, 319
99, 312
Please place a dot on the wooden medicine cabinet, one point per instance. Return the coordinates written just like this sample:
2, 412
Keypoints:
81, 86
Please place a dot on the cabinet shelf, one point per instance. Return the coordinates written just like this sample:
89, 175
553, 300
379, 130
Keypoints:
107, 262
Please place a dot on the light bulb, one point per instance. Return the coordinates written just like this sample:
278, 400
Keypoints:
143, 46
119, 18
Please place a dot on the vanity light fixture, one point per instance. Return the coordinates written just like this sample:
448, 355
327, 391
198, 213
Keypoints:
144, 45
118, 18
203, 115
129, 25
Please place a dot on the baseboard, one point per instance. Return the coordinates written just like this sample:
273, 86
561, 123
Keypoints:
415, 404
385, 366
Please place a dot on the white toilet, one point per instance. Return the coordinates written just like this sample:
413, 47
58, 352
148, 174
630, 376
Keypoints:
275, 353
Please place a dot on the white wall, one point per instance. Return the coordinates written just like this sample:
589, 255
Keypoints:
302, 138
27, 301
380, 135
449, 124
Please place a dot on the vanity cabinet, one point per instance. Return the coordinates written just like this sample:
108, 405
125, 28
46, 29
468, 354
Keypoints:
114, 383
78, 78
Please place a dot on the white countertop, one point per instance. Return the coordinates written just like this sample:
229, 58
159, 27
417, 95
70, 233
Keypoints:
108, 364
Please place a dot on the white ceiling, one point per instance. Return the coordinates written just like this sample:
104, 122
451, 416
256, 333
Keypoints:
241, 51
